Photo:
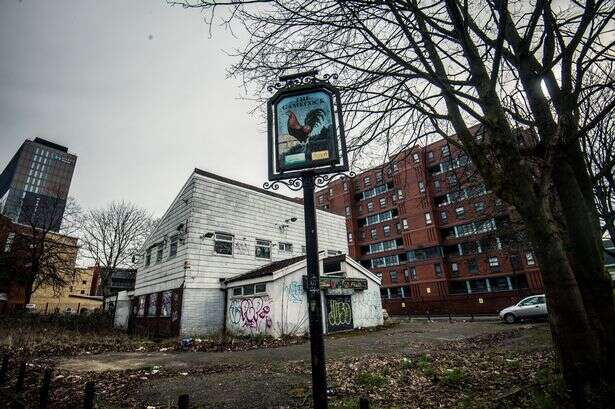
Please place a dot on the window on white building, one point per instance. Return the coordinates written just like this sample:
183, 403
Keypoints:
223, 243
148, 257
285, 247
173, 246
159, 251
262, 249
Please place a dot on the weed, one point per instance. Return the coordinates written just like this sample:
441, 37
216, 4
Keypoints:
370, 379
453, 377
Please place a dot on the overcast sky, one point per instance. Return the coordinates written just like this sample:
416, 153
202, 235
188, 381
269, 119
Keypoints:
136, 89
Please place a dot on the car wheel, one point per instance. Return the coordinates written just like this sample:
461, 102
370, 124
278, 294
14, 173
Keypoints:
510, 318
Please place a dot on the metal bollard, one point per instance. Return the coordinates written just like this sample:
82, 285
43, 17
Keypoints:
20, 377
45, 385
363, 403
88, 399
183, 402
5, 368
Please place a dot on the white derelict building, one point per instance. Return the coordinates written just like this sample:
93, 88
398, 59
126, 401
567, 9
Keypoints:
270, 300
217, 229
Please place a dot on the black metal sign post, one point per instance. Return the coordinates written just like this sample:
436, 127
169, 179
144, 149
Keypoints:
306, 145
317, 343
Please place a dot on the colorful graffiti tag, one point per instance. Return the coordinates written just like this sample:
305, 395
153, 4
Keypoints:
252, 313
295, 292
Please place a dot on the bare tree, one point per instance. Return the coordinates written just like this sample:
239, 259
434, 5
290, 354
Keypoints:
112, 235
36, 255
413, 69
599, 149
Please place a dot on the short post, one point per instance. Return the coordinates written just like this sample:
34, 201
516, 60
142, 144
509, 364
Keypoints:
20, 377
428, 316
46, 307
88, 399
5, 368
44, 396
472, 317
183, 402
78, 307
450, 319
363, 403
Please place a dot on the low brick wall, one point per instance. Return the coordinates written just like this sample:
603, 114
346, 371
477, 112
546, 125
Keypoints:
461, 304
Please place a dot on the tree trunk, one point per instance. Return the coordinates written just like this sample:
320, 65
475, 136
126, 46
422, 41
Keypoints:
576, 338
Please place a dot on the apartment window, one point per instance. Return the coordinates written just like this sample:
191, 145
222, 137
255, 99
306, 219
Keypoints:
173, 246
330, 191
472, 266
159, 251
407, 275
223, 244
321, 199
416, 157
395, 166
10, 238
413, 273
393, 275
529, 257
362, 234
445, 150
460, 212
438, 270
347, 210
479, 207
374, 234
404, 223
379, 177
494, 264
345, 186
430, 155
383, 202
379, 275
370, 207
452, 180
398, 227
400, 194
455, 269
366, 181
285, 247
350, 237
421, 186
262, 249
386, 230
436, 185
427, 218
148, 257
444, 216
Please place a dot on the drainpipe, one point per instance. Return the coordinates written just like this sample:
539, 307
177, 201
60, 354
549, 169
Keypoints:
225, 290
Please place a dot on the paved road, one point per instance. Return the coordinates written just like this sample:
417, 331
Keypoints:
400, 337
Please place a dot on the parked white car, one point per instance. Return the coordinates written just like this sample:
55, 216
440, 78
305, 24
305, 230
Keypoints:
531, 307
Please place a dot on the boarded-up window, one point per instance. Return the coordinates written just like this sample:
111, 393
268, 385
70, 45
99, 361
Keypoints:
165, 304
151, 306
141, 311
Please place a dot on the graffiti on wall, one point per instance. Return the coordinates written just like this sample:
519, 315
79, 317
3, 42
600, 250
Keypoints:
339, 313
252, 313
295, 292
370, 306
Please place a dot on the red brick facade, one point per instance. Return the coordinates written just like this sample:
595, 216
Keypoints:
432, 234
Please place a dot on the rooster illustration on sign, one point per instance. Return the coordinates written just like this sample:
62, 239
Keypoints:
302, 132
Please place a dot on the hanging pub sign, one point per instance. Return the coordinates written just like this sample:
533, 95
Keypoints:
305, 130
